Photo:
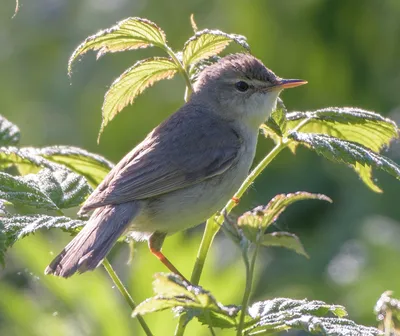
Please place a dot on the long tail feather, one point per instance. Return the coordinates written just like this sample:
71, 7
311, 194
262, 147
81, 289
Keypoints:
87, 250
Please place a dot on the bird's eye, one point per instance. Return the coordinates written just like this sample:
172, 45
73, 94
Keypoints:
242, 86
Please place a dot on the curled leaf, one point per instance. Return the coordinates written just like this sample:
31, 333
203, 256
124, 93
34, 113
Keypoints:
261, 217
131, 33
132, 83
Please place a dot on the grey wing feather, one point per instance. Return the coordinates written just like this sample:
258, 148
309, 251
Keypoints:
159, 165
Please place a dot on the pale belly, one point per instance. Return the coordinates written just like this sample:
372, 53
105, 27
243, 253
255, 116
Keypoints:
188, 207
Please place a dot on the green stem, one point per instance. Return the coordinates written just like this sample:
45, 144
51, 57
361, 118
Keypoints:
250, 179
118, 283
182, 70
249, 284
214, 222
208, 237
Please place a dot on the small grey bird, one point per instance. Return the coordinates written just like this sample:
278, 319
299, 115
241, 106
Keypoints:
185, 170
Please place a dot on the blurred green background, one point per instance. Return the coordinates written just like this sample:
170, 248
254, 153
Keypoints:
349, 51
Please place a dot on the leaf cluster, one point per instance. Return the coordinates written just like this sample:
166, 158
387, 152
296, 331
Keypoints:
134, 33
49, 180
346, 135
262, 318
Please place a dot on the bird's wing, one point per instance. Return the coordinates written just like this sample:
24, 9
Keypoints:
163, 163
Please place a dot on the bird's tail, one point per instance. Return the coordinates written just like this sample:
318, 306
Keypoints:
87, 250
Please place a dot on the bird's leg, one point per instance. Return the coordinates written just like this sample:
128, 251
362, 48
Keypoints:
155, 243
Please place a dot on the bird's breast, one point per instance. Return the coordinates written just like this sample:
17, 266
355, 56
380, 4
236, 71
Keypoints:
190, 206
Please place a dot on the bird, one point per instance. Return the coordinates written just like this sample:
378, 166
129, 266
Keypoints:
186, 168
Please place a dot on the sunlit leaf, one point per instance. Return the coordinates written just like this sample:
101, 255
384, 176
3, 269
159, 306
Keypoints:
15, 228
25, 159
348, 123
315, 317
29, 160
48, 189
352, 124
277, 121
92, 166
128, 34
21, 191
286, 240
132, 83
207, 43
365, 173
258, 219
9, 133
346, 152
387, 310
174, 293
65, 188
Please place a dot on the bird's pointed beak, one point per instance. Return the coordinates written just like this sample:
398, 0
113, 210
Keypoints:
289, 83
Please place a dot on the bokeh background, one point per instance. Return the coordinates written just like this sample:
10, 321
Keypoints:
349, 51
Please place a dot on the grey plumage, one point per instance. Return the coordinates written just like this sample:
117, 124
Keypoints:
185, 170
87, 250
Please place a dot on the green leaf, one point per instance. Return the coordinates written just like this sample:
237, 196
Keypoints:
365, 173
132, 83
15, 228
286, 240
92, 166
387, 311
131, 33
48, 189
25, 160
277, 121
348, 123
281, 314
29, 160
9, 133
347, 152
21, 191
172, 292
258, 219
207, 43
65, 188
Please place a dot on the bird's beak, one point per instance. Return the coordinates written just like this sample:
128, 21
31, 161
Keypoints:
288, 83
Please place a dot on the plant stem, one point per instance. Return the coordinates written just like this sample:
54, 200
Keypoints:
214, 222
208, 237
117, 281
250, 179
249, 284
182, 70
